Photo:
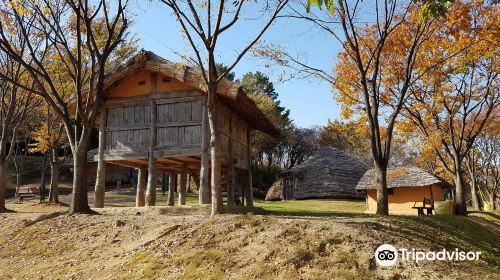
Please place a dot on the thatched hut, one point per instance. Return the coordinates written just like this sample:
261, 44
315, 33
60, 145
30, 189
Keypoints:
406, 185
329, 173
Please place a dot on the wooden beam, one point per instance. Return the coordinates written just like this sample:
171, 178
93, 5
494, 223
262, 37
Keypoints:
230, 165
249, 192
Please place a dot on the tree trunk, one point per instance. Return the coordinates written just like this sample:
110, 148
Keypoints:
215, 155
151, 188
43, 180
141, 187
3, 186
182, 188
460, 206
100, 182
171, 189
382, 200
474, 196
493, 201
54, 182
79, 203
204, 189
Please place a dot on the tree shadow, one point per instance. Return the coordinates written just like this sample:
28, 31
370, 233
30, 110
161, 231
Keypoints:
491, 214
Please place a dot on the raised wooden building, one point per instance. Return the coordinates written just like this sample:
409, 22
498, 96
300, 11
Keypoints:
154, 119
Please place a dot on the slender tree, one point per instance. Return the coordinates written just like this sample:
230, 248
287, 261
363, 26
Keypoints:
67, 41
16, 103
203, 23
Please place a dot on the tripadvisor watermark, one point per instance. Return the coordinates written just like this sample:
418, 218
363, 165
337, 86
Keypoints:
388, 255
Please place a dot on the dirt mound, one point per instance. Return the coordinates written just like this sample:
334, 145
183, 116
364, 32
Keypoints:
159, 243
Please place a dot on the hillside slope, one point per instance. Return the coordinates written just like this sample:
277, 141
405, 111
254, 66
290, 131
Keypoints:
184, 243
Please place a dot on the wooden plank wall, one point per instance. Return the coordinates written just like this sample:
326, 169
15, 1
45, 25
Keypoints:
239, 136
178, 125
179, 131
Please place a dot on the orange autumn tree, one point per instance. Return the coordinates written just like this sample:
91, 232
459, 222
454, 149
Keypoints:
452, 103
49, 138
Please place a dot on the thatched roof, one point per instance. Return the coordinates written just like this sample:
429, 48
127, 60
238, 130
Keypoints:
330, 172
229, 92
401, 177
275, 192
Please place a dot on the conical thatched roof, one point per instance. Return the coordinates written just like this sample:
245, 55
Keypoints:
401, 177
275, 192
330, 172
229, 92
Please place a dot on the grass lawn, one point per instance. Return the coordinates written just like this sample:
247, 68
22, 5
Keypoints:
313, 207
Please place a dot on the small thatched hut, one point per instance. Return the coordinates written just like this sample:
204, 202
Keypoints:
329, 173
406, 185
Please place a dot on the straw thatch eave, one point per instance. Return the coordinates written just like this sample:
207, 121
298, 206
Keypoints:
401, 177
230, 93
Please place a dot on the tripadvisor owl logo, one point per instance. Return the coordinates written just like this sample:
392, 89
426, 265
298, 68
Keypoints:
386, 255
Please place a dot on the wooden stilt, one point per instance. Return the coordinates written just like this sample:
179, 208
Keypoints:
171, 189
141, 187
182, 187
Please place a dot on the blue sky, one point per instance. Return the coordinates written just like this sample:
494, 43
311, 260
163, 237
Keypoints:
310, 101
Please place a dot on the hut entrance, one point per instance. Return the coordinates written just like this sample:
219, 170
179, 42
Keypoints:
288, 188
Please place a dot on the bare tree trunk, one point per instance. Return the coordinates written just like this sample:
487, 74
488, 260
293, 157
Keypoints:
151, 187
204, 189
54, 182
43, 179
474, 196
460, 206
3, 186
382, 200
100, 182
80, 203
493, 201
217, 205
171, 189
182, 188
140, 199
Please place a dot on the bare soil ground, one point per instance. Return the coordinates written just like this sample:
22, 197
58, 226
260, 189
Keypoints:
41, 241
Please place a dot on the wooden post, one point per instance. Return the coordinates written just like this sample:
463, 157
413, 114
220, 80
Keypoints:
171, 189
100, 183
119, 186
230, 165
249, 172
164, 182
204, 190
182, 187
151, 188
141, 187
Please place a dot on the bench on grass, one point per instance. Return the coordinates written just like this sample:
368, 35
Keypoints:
427, 204
23, 193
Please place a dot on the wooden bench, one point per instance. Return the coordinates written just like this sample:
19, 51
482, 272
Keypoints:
427, 204
23, 193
